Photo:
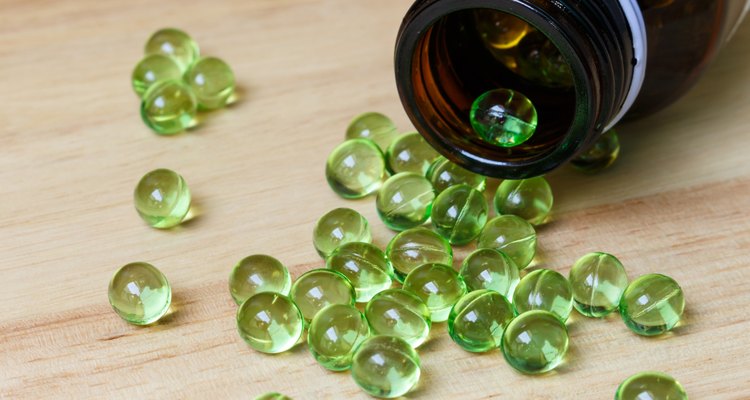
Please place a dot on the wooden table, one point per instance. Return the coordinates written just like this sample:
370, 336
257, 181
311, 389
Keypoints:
72, 147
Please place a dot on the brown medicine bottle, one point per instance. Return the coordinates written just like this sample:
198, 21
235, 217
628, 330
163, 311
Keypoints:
585, 64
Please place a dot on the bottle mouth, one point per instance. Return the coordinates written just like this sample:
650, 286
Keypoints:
443, 64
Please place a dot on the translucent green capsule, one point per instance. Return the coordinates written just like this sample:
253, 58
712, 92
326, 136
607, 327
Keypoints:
374, 126
212, 82
438, 285
396, 312
174, 43
270, 322
386, 366
503, 117
256, 274
169, 107
338, 227
318, 288
459, 214
512, 235
139, 293
273, 396
530, 199
650, 385
490, 269
355, 169
366, 267
410, 153
414, 247
443, 174
602, 154
535, 342
162, 198
334, 334
477, 321
546, 290
152, 69
405, 201
652, 304
598, 281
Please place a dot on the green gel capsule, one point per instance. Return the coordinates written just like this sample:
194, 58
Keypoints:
366, 267
335, 332
355, 169
650, 385
152, 69
405, 201
338, 227
512, 235
546, 290
410, 153
598, 281
443, 174
162, 198
139, 293
385, 366
169, 107
503, 117
173, 43
374, 126
319, 288
535, 342
270, 322
438, 285
530, 199
396, 312
257, 274
652, 304
273, 396
490, 269
477, 321
459, 213
212, 82
601, 155
414, 247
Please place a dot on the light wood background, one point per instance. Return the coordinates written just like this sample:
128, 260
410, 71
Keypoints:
72, 147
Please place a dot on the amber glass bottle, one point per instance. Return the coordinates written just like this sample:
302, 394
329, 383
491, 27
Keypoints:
585, 64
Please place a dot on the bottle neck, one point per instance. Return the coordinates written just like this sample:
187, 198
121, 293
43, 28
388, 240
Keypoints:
441, 67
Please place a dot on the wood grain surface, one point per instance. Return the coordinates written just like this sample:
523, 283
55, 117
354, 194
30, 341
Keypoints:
72, 147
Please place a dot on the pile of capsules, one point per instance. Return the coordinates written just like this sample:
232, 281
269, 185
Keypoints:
174, 82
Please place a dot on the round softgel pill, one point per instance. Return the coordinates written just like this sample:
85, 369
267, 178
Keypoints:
490, 269
443, 174
512, 235
334, 333
162, 198
459, 213
503, 117
355, 169
530, 199
414, 247
152, 69
318, 288
256, 274
650, 385
602, 154
405, 201
477, 321
366, 267
337, 227
535, 342
652, 304
270, 322
386, 367
410, 153
212, 82
173, 43
139, 293
546, 290
374, 126
169, 107
438, 285
598, 281
396, 312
